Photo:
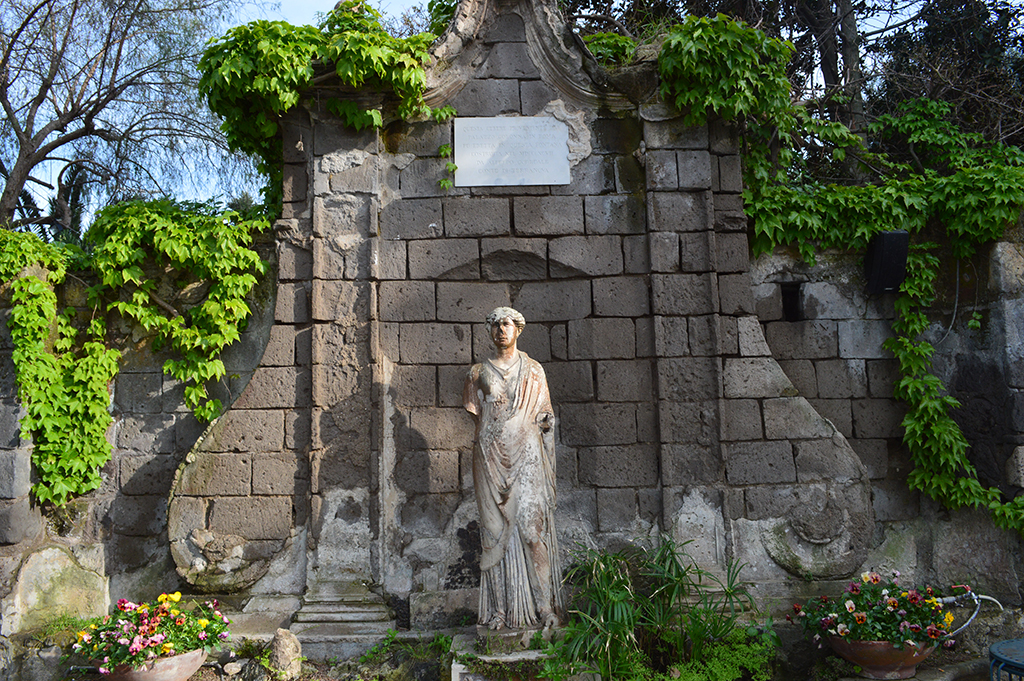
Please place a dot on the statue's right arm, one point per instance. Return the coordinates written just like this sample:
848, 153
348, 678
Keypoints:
470, 396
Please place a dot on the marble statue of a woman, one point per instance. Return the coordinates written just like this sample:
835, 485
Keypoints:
514, 477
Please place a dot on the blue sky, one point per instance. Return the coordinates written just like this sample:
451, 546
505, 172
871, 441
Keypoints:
304, 11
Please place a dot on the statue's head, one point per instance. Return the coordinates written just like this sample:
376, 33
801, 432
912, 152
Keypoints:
500, 313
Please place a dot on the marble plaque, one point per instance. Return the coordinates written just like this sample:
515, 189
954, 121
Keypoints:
511, 151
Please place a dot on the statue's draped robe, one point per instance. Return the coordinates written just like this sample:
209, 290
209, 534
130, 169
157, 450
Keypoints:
514, 477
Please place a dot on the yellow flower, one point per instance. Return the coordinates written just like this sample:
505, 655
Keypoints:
175, 613
865, 576
81, 635
163, 598
166, 648
176, 596
949, 618
203, 623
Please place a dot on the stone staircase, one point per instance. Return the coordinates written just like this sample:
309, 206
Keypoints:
340, 620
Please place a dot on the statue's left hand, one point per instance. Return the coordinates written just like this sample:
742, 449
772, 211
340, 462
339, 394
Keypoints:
546, 421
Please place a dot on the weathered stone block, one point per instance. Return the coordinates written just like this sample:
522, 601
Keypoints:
535, 95
330, 254
828, 300
344, 215
755, 377
420, 179
470, 302
690, 464
614, 214
695, 249
735, 294
684, 294
630, 177
688, 378
441, 429
602, 338
217, 475
420, 472
412, 219
728, 336
670, 337
138, 516
616, 135
616, 509
444, 259
816, 339
476, 216
345, 302
662, 171
152, 433
839, 378
694, 169
647, 422
252, 517
548, 215
671, 134
535, 341
801, 373
275, 388
679, 211
793, 418
555, 301
276, 474
780, 502
514, 259
732, 253
892, 501
186, 514
730, 173
636, 254
138, 393
508, 60
592, 176
146, 474
292, 305
878, 418
435, 343
294, 183
570, 381
15, 473
329, 137
863, 338
487, 98
705, 335
597, 256
768, 302
838, 412
750, 337
247, 430
450, 382
414, 386
741, 420
759, 463
419, 139
354, 171
825, 460
19, 520
333, 384
883, 375
293, 262
388, 258
280, 350
663, 251
874, 454
590, 424
688, 422
621, 297
624, 381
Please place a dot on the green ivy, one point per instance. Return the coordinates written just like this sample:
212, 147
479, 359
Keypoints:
62, 384
64, 374
186, 240
610, 48
969, 189
258, 71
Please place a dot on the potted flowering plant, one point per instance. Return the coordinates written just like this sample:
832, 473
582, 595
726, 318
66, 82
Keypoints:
895, 624
138, 636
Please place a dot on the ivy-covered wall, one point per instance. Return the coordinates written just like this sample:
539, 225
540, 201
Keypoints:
335, 493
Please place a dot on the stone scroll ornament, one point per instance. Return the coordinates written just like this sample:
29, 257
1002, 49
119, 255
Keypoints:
514, 478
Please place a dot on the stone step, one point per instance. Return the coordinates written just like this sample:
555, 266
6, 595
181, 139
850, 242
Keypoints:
338, 613
321, 632
339, 592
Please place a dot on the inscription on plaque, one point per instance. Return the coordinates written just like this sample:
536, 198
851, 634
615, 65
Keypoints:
511, 151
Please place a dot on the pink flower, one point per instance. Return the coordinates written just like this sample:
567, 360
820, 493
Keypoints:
202, 635
104, 670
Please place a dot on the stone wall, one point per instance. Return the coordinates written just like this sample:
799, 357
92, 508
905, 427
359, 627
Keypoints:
690, 400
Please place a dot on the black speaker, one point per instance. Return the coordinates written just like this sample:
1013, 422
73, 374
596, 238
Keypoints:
885, 265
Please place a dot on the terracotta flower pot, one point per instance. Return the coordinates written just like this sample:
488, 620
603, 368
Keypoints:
174, 668
880, 659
